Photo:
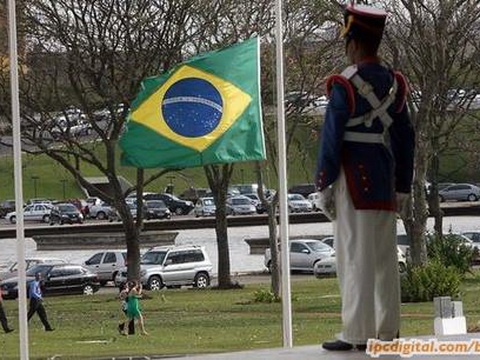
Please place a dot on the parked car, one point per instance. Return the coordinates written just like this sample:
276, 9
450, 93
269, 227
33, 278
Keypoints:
80, 204
39, 201
92, 201
460, 192
298, 98
132, 206
474, 236
329, 240
404, 242
297, 203
70, 122
34, 212
12, 269
303, 189
65, 213
172, 266
156, 209
444, 185
193, 194
256, 202
255, 199
314, 199
242, 189
57, 279
304, 253
132, 197
205, 206
106, 264
6, 206
327, 266
101, 211
73, 128
240, 205
176, 205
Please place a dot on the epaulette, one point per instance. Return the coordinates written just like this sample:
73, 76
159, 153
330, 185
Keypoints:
403, 90
345, 83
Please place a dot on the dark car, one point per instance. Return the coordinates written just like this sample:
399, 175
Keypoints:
65, 213
156, 209
57, 279
175, 205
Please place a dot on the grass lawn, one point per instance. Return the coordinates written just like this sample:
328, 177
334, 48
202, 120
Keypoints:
191, 321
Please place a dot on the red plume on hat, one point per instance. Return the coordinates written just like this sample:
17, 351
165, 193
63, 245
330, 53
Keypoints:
363, 22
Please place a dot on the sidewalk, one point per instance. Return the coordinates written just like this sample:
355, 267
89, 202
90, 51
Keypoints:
315, 352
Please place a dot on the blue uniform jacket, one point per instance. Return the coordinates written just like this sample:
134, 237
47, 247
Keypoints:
373, 172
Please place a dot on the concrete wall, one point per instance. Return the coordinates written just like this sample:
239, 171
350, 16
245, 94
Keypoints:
101, 240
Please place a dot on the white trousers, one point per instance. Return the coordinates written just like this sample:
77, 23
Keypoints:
367, 270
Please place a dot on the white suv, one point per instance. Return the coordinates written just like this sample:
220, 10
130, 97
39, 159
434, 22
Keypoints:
172, 266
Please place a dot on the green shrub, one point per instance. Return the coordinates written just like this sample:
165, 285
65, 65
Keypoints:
450, 250
265, 296
423, 283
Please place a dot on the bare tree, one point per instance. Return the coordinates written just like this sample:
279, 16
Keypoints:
225, 22
436, 43
311, 54
93, 55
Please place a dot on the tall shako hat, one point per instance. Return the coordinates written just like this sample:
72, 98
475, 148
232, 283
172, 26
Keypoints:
363, 23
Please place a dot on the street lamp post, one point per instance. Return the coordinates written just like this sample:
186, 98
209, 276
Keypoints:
35, 178
63, 181
170, 185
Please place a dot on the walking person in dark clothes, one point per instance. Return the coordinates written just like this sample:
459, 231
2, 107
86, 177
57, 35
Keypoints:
36, 302
3, 317
123, 295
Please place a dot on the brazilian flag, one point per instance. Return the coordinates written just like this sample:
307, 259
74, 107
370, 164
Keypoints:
204, 111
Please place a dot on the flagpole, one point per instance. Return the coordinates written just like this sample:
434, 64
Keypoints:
17, 160
282, 173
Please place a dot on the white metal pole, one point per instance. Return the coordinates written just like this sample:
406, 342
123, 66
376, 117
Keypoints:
17, 159
282, 173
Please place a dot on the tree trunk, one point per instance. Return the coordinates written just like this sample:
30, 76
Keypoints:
432, 196
272, 231
418, 226
131, 227
218, 182
274, 251
221, 230
133, 250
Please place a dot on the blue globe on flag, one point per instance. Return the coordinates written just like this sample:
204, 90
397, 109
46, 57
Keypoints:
192, 107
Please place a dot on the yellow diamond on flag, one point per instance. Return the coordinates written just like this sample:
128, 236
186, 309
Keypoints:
192, 108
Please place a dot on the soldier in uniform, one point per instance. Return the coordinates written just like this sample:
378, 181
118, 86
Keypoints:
364, 175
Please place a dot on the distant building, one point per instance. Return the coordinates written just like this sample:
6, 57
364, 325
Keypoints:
103, 185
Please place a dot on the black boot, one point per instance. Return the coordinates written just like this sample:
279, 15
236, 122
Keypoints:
339, 345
